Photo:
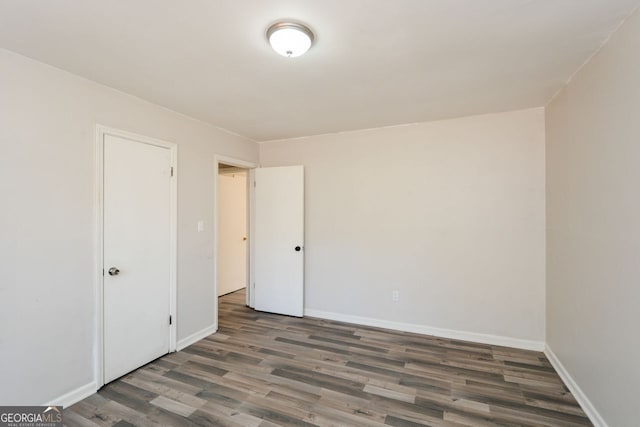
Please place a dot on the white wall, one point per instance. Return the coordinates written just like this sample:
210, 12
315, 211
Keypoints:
47, 225
450, 213
593, 227
232, 228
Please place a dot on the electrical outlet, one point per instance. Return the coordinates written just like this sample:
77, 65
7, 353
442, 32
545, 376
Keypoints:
395, 295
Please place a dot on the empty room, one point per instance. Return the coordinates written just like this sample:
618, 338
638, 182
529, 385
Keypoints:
319, 213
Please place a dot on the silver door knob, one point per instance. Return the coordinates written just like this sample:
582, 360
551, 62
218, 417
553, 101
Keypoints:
113, 271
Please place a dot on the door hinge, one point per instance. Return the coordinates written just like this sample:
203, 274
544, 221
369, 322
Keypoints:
170, 319
103, 271
171, 170
254, 184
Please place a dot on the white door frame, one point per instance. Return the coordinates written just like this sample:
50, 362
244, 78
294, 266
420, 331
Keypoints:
250, 196
101, 131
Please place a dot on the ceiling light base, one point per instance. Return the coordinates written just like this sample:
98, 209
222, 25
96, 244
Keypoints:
290, 39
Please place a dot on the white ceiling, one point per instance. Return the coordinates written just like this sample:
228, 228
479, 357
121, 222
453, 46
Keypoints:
374, 63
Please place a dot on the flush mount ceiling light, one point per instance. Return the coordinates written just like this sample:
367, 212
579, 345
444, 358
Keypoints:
290, 39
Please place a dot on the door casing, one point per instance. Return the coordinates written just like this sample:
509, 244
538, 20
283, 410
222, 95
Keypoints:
101, 131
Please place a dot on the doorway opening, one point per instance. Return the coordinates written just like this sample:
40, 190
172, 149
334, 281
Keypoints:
272, 241
233, 256
233, 224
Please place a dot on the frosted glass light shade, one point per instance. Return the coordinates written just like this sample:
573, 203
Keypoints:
290, 39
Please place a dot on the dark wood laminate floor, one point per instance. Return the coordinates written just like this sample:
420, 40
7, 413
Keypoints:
266, 370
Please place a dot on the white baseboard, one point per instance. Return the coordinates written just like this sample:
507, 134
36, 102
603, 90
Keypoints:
575, 389
87, 390
74, 396
186, 342
427, 330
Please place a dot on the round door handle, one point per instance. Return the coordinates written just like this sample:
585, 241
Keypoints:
298, 248
113, 271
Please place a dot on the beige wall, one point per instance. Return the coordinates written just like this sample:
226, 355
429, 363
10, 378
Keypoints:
593, 227
449, 213
232, 228
47, 221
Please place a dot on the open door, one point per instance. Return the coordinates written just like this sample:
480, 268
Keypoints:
279, 240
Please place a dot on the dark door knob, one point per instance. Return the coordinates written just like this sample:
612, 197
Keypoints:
113, 271
298, 248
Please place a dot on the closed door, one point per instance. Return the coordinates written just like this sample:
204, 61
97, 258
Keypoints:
137, 254
232, 232
279, 240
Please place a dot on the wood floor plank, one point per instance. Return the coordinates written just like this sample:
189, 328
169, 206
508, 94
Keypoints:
173, 406
265, 370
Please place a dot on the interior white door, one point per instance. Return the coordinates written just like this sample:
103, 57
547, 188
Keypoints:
279, 240
137, 254
232, 232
